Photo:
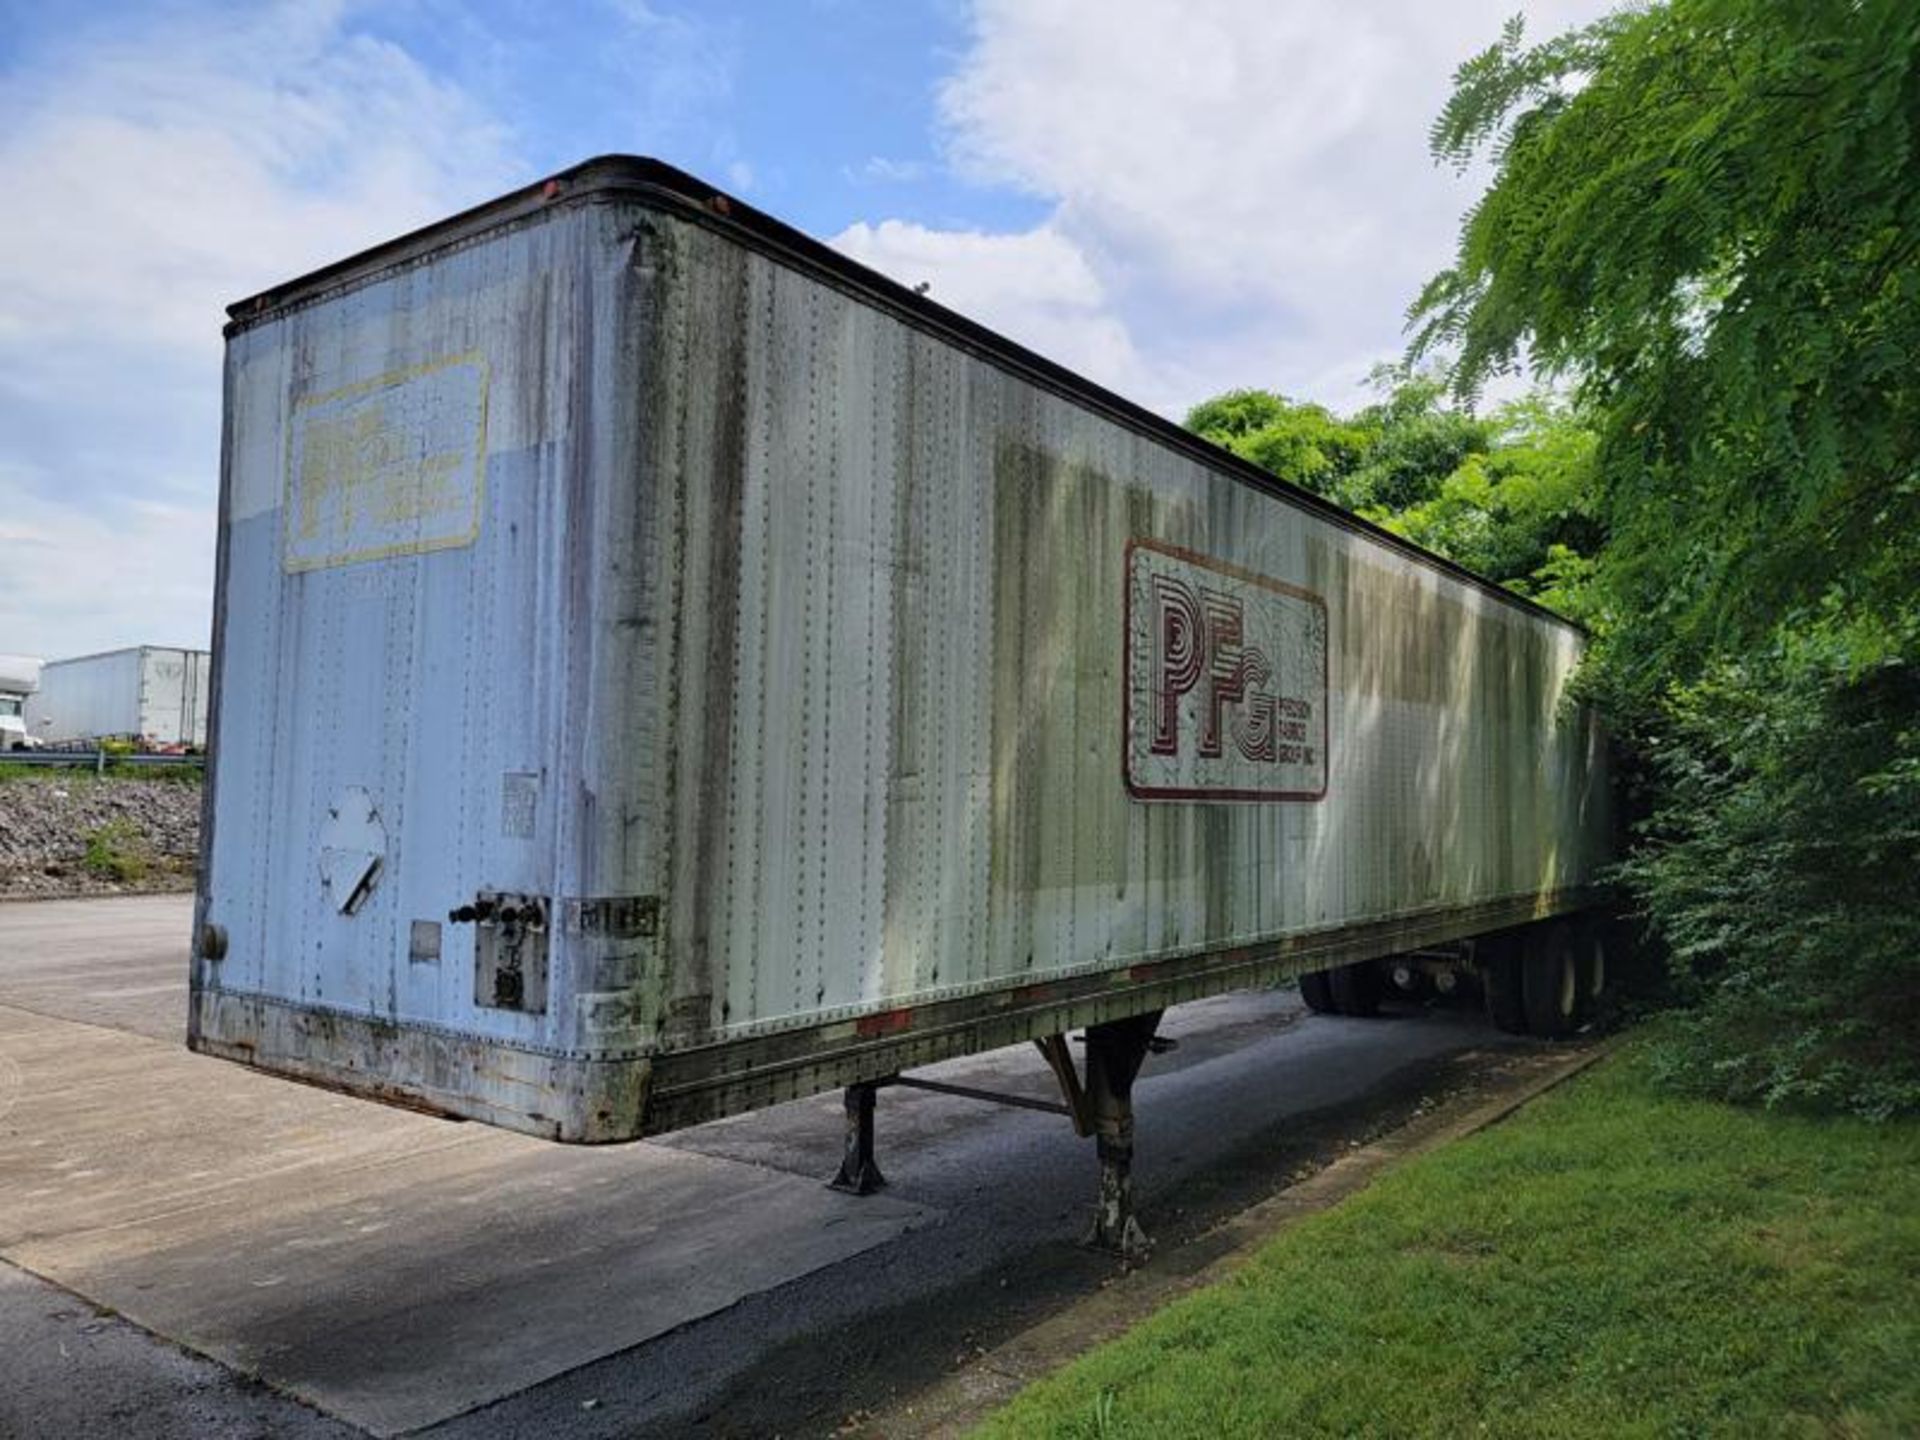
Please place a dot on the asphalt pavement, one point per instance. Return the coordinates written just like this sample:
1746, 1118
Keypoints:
191, 1248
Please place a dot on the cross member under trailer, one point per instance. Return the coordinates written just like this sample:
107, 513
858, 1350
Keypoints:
1100, 1106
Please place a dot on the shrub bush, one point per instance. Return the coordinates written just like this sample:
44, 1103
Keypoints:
1780, 868
117, 851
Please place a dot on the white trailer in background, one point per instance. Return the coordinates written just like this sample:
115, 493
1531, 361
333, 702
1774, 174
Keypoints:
154, 695
665, 669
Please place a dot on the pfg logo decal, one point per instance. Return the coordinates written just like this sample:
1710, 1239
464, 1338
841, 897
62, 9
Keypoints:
1226, 681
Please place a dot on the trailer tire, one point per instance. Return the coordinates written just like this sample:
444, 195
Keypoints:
1499, 963
1593, 965
1550, 980
1316, 989
1355, 989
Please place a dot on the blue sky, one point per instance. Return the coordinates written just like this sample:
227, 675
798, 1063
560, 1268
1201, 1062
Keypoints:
1172, 196
809, 106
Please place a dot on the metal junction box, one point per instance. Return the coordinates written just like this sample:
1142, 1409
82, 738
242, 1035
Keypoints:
663, 668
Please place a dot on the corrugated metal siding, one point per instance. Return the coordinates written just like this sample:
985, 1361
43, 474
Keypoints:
755, 601
87, 697
898, 664
428, 677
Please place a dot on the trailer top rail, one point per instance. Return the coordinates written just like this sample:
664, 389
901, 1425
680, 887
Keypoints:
685, 194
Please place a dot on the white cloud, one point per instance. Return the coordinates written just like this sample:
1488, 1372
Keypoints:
156, 174
677, 72
141, 573
880, 170
178, 168
1249, 186
1035, 287
1237, 195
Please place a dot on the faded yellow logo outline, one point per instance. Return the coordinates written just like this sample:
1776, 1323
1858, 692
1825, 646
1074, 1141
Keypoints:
366, 473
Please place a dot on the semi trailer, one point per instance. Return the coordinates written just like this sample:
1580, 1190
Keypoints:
151, 695
663, 668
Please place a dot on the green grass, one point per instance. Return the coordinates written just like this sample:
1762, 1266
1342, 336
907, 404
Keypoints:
1613, 1261
115, 770
118, 851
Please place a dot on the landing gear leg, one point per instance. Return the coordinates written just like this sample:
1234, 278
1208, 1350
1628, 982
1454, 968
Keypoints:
859, 1173
1115, 1052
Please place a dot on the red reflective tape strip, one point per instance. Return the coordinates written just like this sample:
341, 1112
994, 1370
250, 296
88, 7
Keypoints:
887, 1022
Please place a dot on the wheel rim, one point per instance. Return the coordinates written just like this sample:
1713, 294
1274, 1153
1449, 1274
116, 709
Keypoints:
1599, 981
1569, 986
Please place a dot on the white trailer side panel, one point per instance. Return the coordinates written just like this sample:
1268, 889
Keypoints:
927, 633
87, 697
836, 687
154, 693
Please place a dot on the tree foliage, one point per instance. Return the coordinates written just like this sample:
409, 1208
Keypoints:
1518, 508
1705, 215
1781, 867
1307, 444
1507, 495
1416, 440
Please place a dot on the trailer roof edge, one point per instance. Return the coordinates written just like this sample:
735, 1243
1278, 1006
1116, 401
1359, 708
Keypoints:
712, 206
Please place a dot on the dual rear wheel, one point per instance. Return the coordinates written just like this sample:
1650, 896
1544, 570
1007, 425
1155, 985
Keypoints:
1345, 990
1545, 979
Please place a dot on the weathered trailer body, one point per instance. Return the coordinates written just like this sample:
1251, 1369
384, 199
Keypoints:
151, 693
663, 668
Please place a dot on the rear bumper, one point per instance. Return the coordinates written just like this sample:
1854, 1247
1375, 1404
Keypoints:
557, 1097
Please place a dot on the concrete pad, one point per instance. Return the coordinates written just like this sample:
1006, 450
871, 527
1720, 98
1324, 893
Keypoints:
408, 1293
392, 1268
121, 963
108, 1128
73, 1371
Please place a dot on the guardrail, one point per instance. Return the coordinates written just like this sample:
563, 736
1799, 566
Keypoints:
97, 760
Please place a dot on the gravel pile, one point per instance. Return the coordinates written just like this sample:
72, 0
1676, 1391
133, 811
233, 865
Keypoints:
72, 833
